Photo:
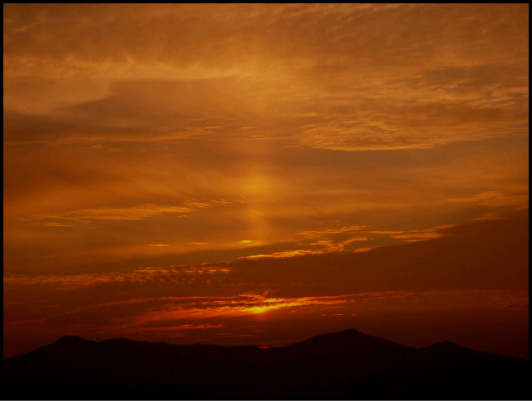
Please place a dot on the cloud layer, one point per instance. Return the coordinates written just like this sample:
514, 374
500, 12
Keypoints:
173, 170
348, 77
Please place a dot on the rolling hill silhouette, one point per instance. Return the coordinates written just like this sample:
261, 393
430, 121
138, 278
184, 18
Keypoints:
344, 365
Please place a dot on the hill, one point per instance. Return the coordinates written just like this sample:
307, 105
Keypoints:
344, 365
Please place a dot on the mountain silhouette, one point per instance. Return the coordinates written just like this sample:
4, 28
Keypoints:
349, 340
446, 347
343, 365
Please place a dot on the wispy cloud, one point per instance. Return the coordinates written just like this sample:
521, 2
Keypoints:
516, 196
122, 213
139, 212
339, 230
403, 96
169, 275
244, 304
414, 235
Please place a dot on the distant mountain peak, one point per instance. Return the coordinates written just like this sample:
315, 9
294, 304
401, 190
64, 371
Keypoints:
74, 342
348, 334
70, 340
447, 343
349, 339
351, 331
447, 346
121, 341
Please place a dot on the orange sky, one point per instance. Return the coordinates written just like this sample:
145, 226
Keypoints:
261, 173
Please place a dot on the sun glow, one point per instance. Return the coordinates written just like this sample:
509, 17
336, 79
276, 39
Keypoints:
259, 309
257, 189
273, 304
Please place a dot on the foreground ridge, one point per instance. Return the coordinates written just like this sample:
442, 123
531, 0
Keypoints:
343, 365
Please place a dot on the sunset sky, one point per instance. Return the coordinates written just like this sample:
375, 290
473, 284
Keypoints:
262, 173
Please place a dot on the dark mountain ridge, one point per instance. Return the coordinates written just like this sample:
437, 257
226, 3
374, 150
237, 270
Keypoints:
349, 340
344, 365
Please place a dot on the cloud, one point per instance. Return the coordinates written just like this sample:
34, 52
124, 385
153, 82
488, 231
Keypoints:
139, 212
348, 239
344, 229
215, 31
244, 304
131, 213
341, 82
414, 235
51, 224
318, 247
476, 270
516, 196
283, 254
451, 257
147, 275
